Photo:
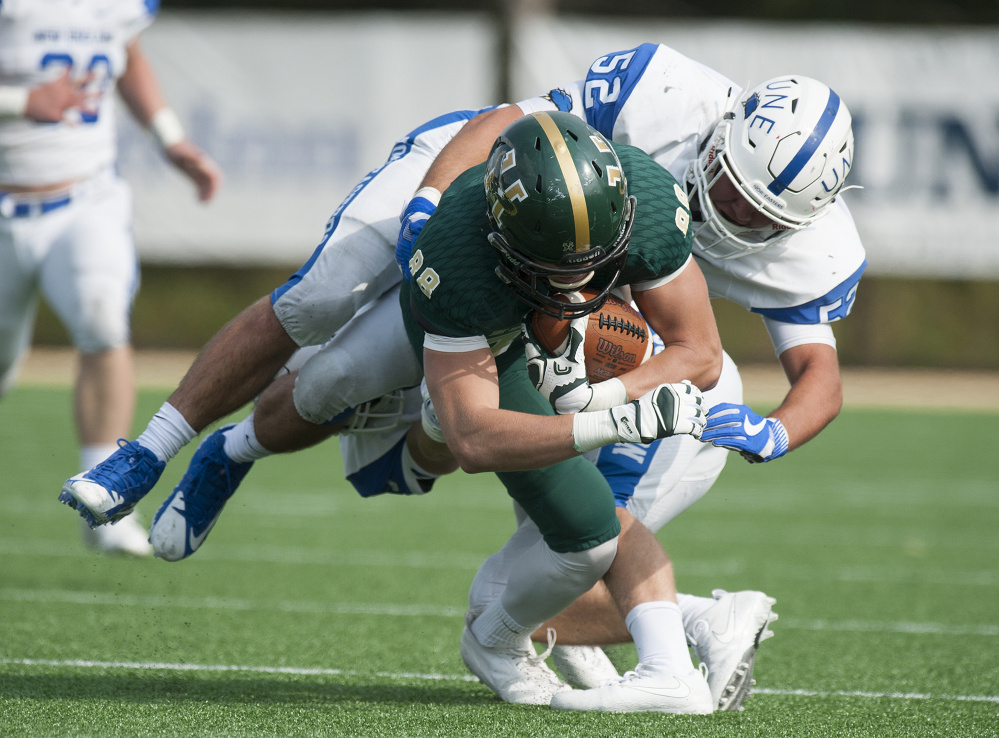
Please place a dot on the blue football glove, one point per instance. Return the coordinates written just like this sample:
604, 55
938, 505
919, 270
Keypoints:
413, 218
738, 428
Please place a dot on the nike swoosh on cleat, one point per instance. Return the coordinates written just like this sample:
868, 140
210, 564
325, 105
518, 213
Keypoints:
194, 541
753, 428
729, 633
677, 691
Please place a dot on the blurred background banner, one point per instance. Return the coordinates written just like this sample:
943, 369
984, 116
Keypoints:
297, 109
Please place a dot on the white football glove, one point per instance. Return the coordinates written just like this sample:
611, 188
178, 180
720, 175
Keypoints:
561, 379
668, 410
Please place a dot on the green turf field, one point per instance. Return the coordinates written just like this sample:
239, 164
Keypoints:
311, 612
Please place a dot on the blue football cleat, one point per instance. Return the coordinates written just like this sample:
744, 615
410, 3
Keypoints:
188, 515
110, 490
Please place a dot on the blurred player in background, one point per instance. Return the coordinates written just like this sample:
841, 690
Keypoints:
65, 214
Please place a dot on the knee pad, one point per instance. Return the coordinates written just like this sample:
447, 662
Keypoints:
324, 385
101, 322
544, 582
585, 566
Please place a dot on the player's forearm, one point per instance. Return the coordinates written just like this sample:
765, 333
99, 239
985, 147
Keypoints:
469, 147
139, 88
680, 313
815, 397
510, 441
698, 360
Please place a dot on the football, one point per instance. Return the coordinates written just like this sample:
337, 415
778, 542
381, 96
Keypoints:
617, 337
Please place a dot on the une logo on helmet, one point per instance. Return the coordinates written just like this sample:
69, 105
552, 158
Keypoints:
846, 163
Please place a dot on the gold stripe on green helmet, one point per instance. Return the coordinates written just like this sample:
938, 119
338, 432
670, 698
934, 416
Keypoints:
571, 175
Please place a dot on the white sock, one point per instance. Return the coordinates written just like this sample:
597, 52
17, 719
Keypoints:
167, 433
495, 628
94, 454
241, 444
657, 629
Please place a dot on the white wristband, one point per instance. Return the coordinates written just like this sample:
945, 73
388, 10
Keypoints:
607, 394
429, 193
593, 430
13, 101
166, 128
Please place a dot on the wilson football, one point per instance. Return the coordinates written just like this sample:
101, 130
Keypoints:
617, 337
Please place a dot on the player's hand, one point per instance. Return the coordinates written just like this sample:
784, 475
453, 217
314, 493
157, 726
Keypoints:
198, 166
738, 428
561, 378
413, 218
53, 101
668, 410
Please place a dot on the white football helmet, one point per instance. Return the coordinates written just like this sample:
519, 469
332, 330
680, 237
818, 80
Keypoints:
788, 147
378, 415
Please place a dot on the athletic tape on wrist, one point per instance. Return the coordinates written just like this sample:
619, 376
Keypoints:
13, 101
593, 430
429, 193
167, 128
607, 394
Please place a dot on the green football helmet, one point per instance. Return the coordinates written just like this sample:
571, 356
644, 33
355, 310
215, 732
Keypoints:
559, 209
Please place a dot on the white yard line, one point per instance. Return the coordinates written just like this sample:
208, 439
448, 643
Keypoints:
227, 603
466, 561
396, 610
293, 671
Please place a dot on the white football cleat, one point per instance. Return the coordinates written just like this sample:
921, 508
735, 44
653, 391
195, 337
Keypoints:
127, 537
647, 689
725, 638
584, 667
517, 675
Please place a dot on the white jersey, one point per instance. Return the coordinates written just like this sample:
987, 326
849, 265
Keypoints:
39, 40
668, 105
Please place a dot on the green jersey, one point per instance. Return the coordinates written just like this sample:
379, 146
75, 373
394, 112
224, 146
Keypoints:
455, 291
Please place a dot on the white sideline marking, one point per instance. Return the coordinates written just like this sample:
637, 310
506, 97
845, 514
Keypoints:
297, 671
878, 695
466, 561
275, 555
227, 603
859, 626
369, 608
